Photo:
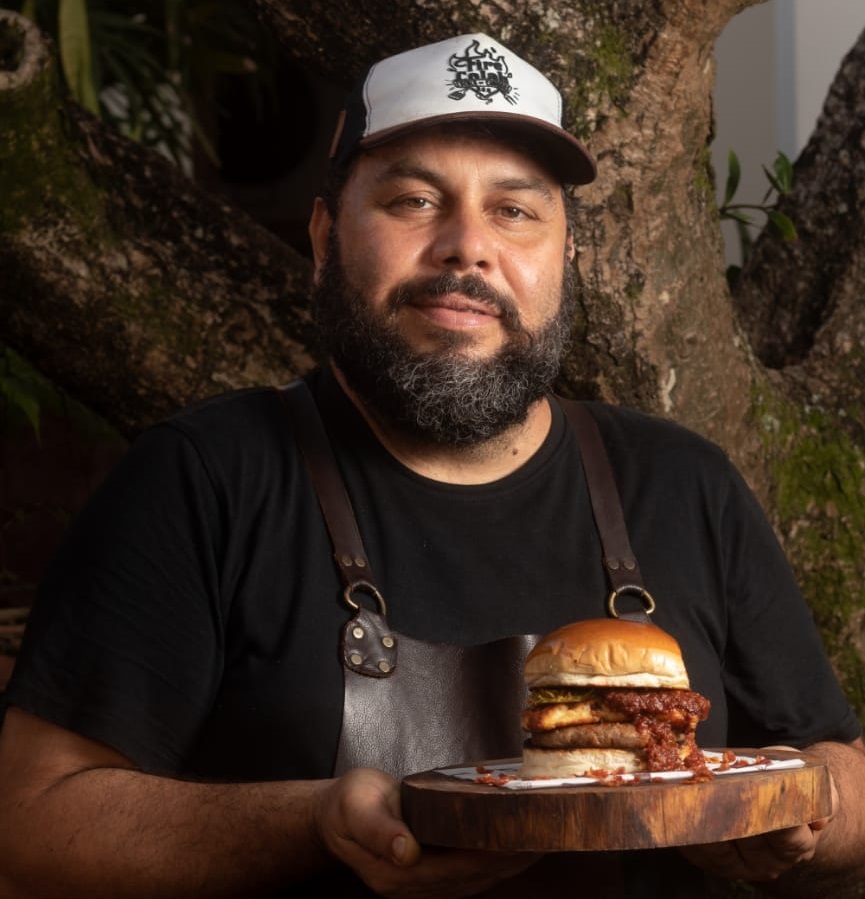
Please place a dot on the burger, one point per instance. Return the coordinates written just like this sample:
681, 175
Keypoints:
609, 696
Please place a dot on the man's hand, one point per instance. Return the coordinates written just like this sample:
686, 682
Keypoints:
358, 821
759, 858
767, 856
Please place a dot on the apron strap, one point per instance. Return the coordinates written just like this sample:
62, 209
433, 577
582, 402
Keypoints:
350, 555
620, 563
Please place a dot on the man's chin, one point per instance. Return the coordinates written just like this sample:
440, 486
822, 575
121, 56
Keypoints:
468, 344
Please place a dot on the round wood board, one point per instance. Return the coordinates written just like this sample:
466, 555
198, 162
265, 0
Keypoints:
444, 811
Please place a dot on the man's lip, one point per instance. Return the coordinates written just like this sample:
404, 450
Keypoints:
456, 303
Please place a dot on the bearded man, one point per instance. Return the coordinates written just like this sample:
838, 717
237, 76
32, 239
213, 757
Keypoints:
283, 601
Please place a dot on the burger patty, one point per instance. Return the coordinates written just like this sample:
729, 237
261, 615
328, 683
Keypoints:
617, 735
680, 709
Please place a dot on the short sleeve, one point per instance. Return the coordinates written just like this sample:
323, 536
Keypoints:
124, 642
779, 680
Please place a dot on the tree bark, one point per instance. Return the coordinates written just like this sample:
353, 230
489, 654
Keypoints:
800, 300
800, 303
119, 279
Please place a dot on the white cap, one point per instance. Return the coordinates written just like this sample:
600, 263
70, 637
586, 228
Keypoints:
470, 77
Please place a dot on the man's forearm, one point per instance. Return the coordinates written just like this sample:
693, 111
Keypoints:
119, 833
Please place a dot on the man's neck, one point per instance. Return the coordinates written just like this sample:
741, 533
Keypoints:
479, 464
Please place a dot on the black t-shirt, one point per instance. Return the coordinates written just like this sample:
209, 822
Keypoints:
192, 617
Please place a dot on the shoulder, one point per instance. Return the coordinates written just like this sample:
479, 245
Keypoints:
630, 431
232, 413
656, 458
232, 440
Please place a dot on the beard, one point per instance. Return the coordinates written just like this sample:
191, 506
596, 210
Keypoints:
443, 397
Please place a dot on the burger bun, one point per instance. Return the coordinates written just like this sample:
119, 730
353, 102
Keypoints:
542, 763
607, 652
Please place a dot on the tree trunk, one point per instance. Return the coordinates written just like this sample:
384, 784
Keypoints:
180, 297
800, 303
119, 279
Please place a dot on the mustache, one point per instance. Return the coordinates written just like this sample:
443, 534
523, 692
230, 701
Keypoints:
472, 286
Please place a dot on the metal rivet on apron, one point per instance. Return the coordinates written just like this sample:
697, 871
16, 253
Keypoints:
361, 563
630, 564
613, 564
357, 632
356, 658
346, 561
387, 641
383, 666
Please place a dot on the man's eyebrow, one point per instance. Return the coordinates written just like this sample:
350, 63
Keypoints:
537, 185
405, 169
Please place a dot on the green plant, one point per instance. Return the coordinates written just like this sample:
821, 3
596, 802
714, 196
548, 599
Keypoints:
780, 179
149, 67
20, 388
25, 394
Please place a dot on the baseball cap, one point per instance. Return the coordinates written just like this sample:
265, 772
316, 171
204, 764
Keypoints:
471, 77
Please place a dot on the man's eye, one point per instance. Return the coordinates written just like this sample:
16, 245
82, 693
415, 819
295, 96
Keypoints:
514, 213
415, 202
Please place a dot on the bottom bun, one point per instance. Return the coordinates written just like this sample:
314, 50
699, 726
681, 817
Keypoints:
579, 762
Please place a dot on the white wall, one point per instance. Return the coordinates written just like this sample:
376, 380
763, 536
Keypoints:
775, 62
822, 33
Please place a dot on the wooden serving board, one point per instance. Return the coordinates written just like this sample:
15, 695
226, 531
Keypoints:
442, 810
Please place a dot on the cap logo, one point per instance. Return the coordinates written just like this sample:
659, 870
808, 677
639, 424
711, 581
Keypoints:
482, 73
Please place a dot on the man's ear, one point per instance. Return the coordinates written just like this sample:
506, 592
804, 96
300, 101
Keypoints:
319, 231
570, 248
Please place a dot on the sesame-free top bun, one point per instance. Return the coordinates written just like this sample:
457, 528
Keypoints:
607, 652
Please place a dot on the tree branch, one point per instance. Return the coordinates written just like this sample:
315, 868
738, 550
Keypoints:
121, 280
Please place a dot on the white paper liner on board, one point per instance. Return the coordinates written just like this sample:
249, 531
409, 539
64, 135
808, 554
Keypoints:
506, 774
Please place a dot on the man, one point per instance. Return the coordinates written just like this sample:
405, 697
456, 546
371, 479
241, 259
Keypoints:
186, 693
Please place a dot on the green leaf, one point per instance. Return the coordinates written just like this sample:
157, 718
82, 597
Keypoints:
734, 173
782, 224
20, 394
736, 216
783, 169
75, 57
776, 184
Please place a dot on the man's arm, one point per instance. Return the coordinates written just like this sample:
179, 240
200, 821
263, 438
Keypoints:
809, 860
77, 819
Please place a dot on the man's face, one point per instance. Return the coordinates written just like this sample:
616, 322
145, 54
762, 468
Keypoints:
439, 288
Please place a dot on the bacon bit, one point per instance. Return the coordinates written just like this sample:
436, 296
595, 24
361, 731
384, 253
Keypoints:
493, 780
701, 776
728, 759
614, 780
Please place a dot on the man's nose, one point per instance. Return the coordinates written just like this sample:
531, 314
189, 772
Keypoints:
464, 241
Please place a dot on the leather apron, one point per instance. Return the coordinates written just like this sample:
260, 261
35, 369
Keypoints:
413, 706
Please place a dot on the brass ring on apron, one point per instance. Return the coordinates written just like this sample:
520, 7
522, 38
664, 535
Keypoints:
371, 589
642, 592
